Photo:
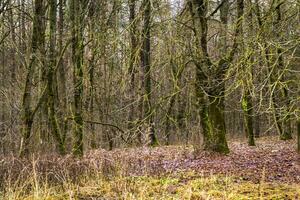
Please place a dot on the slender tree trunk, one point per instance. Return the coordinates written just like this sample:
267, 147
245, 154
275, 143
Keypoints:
287, 123
286, 133
22, 26
247, 104
133, 54
176, 74
36, 45
168, 119
286, 130
13, 114
92, 50
298, 133
50, 79
248, 113
13, 38
2, 86
257, 125
62, 71
77, 21
43, 128
146, 66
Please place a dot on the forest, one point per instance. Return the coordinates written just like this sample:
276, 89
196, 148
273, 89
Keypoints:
149, 99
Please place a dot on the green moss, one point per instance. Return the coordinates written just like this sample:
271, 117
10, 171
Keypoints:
286, 136
244, 104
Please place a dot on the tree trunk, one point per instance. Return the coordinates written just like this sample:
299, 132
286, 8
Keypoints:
176, 74
77, 20
132, 61
203, 109
92, 51
62, 71
50, 79
214, 83
247, 104
168, 119
287, 123
146, 66
217, 124
248, 116
286, 130
13, 113
257, 125
298, 133
36, 43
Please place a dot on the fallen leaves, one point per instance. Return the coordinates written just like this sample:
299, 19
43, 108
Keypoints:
271, 160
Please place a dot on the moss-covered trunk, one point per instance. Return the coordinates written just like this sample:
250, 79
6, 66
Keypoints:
217, 123
27, 126
146, 65
169, 118
51, 81
62, 71
37, 39
203, 108
298, 133
248, 116
77, 9
132, 62
286, 133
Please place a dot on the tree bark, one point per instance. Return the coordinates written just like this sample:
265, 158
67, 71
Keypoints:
247, 105
50, 79
92, 55
286, 130
213, 126
132, 61
36, 44
248, 116
62, 71
77, 23
298, 133
146, 66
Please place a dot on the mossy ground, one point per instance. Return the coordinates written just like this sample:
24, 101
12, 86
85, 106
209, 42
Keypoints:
187, 185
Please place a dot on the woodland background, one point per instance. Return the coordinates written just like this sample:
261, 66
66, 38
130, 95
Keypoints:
79, 74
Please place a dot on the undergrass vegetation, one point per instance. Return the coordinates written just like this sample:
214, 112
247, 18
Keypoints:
185, 185
271, 170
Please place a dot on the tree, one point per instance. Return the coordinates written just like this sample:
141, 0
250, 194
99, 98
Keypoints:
210, 69
285, 128
77, 16
298, 135
51, 78
62, 73
247, 81
37, 43
132, 60
146, 66
210, 77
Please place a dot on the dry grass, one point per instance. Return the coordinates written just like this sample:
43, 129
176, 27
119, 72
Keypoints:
269, 171
186, 185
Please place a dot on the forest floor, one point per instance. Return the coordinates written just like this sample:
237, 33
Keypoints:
271, 170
